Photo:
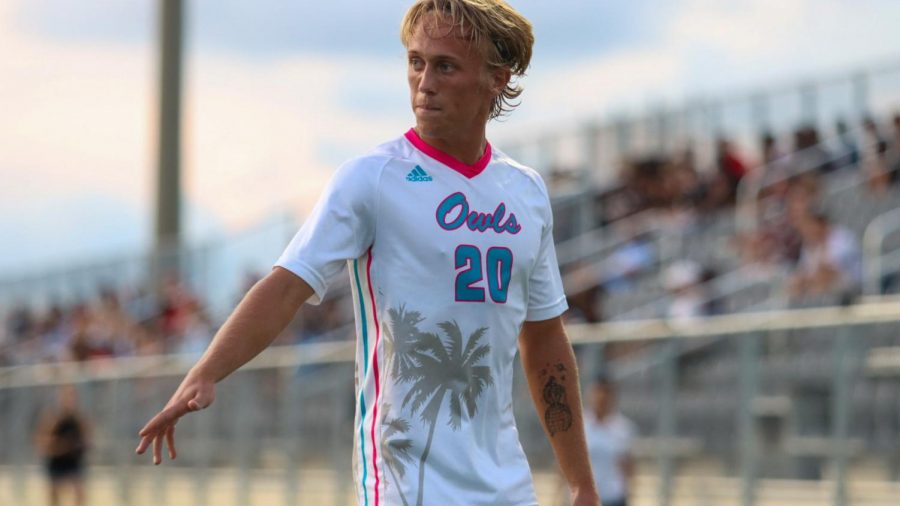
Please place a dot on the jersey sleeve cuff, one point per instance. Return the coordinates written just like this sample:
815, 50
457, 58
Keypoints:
536, 314
308, 274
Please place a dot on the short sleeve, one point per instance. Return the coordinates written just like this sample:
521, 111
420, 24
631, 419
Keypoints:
340, 228
546, 298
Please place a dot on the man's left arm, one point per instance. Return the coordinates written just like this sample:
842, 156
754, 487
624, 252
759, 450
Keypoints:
552, 374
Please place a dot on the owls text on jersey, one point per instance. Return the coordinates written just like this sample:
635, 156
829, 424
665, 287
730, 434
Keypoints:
447, 260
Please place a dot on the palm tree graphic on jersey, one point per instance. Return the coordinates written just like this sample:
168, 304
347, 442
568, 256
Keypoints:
395, 448
403, 351
403, 342
446, 368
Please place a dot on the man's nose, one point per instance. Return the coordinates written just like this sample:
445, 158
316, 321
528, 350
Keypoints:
427, 80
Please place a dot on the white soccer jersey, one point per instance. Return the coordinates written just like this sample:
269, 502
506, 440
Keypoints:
447, 260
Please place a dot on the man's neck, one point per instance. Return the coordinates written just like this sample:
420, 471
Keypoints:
467, 149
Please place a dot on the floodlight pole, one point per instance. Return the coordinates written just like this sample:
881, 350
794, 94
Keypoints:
168, 185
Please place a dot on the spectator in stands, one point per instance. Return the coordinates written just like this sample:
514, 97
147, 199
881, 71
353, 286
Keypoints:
773, 247
874, 158
178, 303
647, 178
19, 323
82, 346
810, 156
610, 436
730, 165
52, 333
771, 153
830, 261
685, 190
687, 295
776, 178
719, 193
63, 438
148, 340
111, 326
894, 151
848, 152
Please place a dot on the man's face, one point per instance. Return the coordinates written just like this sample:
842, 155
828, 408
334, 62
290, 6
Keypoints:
601, 399
450, 85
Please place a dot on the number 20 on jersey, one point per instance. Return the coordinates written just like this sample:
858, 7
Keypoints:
471, 272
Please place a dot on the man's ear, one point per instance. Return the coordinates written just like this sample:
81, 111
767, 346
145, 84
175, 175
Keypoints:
499, 79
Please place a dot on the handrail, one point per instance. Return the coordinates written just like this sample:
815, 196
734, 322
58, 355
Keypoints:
176, 364
735, 323
717, 288
598, 240
581, 333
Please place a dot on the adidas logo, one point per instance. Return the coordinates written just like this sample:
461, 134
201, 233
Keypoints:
418, 175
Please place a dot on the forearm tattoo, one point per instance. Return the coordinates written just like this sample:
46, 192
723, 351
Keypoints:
558, 415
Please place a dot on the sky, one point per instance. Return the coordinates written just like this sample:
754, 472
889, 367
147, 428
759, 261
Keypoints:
279, 93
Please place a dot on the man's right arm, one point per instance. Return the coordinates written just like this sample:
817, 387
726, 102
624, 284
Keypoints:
259, 318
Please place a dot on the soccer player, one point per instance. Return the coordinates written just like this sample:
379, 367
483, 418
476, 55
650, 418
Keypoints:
450, 252
610, 436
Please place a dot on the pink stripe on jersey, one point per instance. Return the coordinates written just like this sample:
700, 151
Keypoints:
375, 370
463, 168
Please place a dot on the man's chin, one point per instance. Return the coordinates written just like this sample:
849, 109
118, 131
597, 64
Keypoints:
428, 128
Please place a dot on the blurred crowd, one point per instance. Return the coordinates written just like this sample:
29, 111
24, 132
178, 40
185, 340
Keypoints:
112, 324
675, 198
138, 322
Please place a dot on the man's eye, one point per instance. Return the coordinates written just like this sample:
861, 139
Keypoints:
415, 62
446, 67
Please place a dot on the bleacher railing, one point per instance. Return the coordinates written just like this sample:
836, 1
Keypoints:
282, 424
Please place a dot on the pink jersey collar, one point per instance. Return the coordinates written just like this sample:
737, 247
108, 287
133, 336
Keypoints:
463, 168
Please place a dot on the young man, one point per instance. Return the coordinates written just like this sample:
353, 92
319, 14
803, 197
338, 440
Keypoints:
450, 251
610, 436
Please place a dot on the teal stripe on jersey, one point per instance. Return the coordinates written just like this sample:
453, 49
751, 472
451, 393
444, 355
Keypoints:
362, 402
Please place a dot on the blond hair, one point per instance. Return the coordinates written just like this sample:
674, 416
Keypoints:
509, 35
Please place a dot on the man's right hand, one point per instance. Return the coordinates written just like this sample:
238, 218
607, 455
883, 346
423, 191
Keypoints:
194, 394
261, 315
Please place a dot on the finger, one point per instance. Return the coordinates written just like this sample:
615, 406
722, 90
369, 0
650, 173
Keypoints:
157, 450
142, 446
170, 442
163, 419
